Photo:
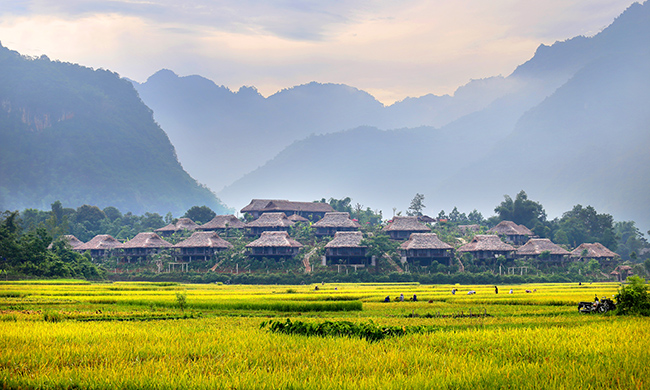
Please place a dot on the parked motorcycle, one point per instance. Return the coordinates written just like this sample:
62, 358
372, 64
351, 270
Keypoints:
602, 307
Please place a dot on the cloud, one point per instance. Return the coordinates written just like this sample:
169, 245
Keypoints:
393, 49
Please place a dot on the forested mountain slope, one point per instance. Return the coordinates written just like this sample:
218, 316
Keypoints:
80, 135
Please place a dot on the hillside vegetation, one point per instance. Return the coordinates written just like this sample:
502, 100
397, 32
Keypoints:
84, 136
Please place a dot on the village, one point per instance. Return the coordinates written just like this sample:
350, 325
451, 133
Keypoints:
305, 235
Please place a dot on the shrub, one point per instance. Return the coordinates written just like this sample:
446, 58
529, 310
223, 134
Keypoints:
633, 298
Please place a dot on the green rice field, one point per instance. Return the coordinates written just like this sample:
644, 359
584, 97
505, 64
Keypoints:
71, 334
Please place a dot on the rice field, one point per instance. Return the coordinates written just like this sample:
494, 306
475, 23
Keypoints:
70, 334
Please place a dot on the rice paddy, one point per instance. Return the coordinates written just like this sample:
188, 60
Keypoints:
69, 334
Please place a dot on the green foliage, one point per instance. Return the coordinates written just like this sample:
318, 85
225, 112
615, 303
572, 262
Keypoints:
416, 206
630, 240
28, 254
200, 214
181, 299
368, 331
584, 224
379, 244
521, 211
633, 298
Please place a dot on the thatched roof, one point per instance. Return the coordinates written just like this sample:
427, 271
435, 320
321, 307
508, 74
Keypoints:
336, 219
271, 220
469, 228
223, 222
406, 224
346, 240
69, 239
594, 251
270, 205
424, 241
509, 228
100, 241
486, 242
275, 239
535, 246
147, 240
297, 218
181, 224
426, 219
204, 240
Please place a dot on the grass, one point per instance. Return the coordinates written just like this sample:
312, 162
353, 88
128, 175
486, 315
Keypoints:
134, 335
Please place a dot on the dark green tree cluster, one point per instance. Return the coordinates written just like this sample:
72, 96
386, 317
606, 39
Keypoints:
85, 222
27, 254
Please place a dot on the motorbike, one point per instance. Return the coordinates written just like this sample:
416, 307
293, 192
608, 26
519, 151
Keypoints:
602, 307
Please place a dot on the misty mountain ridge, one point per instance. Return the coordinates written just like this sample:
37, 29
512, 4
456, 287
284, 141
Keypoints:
573, 128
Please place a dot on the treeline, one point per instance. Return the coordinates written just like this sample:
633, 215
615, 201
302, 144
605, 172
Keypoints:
33, 254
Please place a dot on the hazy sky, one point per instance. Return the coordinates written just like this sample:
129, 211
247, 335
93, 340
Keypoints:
392, 49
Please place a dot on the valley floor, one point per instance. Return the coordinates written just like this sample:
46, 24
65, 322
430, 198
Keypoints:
65, 334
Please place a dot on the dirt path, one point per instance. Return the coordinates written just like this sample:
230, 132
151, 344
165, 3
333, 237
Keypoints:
393, 264
305, 261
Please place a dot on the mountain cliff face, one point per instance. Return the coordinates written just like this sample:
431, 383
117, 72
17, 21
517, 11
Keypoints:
572, 127
79, 135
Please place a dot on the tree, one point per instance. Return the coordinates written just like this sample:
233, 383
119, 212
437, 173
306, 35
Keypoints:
521, 211
584, 224
417, 205
379, 244
112, 213
200, 214
89, 216
630, 240
342, 205
476, 217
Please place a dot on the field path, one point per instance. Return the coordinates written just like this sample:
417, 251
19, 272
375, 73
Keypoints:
393, 264
305, 260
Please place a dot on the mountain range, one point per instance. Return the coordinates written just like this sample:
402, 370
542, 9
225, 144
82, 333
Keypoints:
569, 126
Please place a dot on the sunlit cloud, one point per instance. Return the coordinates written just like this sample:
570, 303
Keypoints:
391, 49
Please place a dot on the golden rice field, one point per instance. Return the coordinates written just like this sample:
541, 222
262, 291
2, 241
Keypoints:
70, 334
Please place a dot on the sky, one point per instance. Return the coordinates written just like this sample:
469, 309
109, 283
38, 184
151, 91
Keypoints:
391, 49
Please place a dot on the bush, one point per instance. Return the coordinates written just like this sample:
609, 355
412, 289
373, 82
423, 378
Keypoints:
633, 298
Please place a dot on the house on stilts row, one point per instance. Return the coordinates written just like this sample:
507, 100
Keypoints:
180, 225
335, 222
425, 248
202, 246
101, 246
487, 247
310, 210
269, 222
274, 244
401, 228
346, 249
144, 245
543, 249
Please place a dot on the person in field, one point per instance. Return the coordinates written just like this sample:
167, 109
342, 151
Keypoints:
496, 289
387, 299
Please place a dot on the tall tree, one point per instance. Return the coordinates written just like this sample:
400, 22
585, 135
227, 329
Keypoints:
417, 205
